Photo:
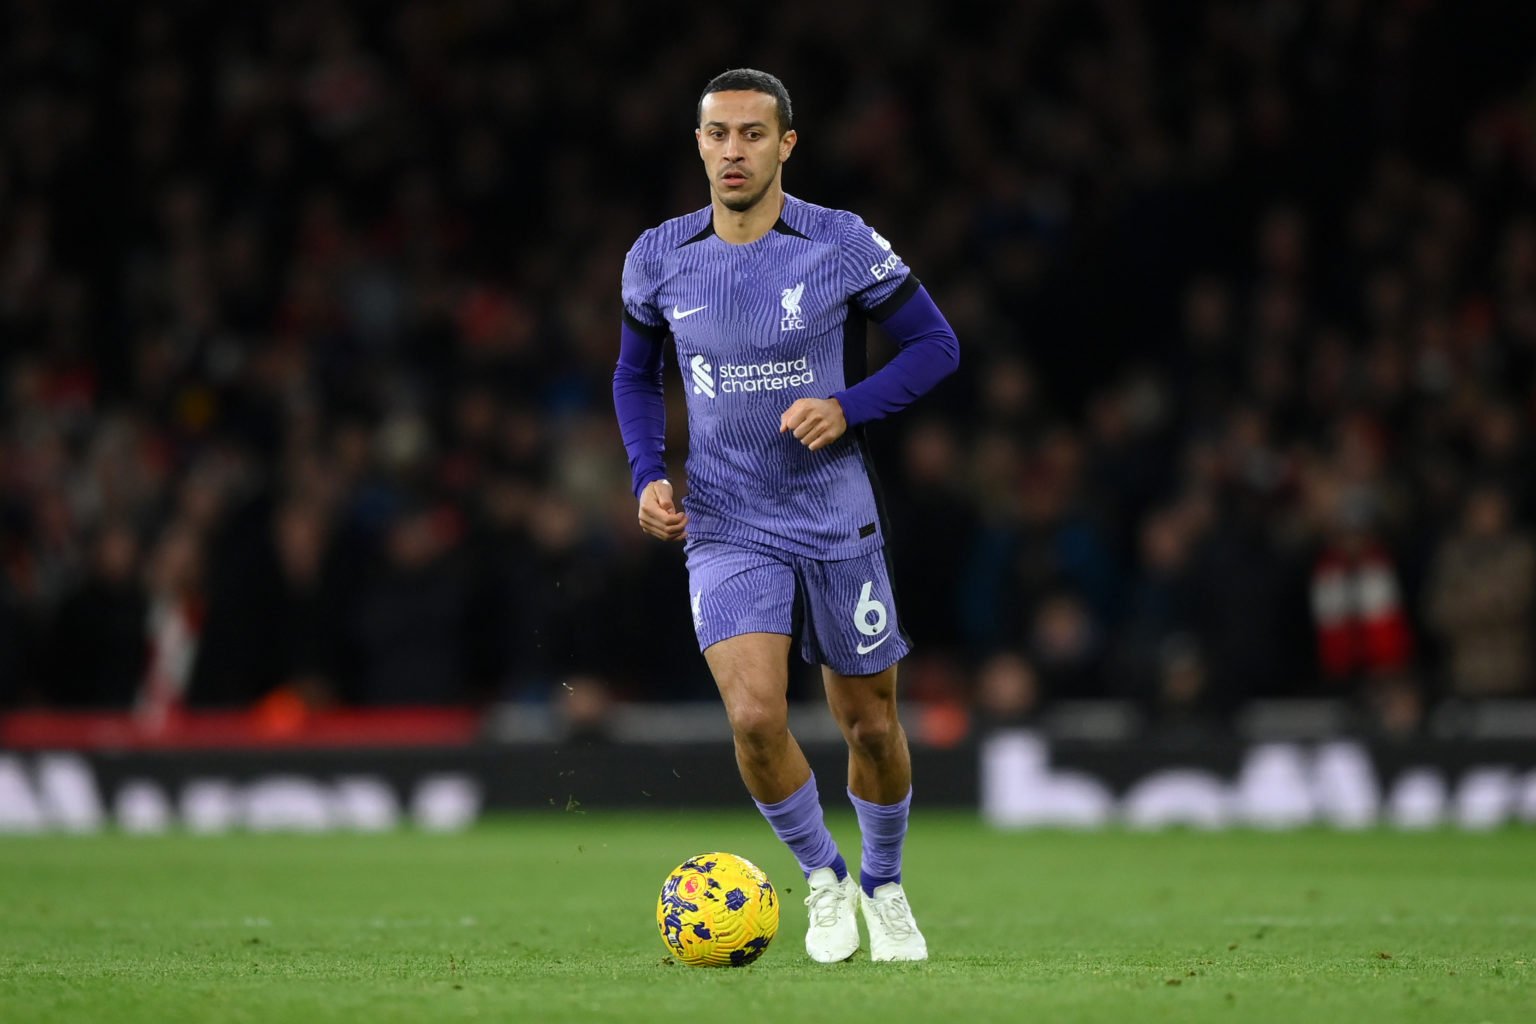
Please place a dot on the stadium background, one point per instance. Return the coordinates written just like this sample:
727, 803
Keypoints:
308, 314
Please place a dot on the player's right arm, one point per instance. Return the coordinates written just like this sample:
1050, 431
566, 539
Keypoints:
659, 516
639, 398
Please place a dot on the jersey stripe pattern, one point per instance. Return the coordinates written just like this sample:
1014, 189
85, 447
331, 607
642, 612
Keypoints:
756, 327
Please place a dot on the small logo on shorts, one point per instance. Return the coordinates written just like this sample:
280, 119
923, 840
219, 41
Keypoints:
866, 648
698, 613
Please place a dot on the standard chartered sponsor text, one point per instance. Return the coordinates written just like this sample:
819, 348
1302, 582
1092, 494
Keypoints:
770, 376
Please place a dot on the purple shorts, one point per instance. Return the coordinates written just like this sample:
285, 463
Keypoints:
844, 611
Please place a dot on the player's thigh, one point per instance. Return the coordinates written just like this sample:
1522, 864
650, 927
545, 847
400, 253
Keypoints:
752, 673
743, 604
851, 621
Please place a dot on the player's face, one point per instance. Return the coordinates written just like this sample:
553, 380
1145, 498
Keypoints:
741, 146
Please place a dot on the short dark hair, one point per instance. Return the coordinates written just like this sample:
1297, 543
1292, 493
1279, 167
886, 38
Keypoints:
750, 80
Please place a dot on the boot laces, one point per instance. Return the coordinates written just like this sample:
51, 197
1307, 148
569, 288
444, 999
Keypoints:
826, 904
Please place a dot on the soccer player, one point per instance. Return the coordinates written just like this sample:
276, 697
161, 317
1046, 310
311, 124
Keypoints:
765, 297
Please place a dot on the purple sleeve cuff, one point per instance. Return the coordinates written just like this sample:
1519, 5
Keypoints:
929, 353
639, 401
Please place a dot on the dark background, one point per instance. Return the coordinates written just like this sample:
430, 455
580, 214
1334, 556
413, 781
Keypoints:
308, 313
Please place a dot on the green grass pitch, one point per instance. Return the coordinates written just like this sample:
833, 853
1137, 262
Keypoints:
549, 917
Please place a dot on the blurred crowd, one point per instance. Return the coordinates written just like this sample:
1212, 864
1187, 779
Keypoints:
308, 315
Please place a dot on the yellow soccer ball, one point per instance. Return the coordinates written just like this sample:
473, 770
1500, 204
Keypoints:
717, 910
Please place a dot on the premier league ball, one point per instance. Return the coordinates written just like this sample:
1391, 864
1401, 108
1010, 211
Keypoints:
717, 910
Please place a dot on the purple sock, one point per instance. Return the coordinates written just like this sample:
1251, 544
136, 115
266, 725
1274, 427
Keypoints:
797, 820
884, 829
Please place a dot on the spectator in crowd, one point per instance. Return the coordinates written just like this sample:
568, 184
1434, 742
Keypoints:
301, 609
1182, 707
100, 643
176, 607
410, 624
933, 528
12, 637
1362, 623
1481, 600
1160, 606
1007, 692
1066, 645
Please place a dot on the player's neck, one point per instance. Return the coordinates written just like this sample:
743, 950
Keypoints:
742, 226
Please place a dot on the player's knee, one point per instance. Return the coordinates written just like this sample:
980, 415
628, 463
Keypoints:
759, 724
872, 734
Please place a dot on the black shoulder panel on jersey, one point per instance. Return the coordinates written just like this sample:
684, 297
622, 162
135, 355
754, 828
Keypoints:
708, 229
896, 299
855, 369
653, 331
784, 229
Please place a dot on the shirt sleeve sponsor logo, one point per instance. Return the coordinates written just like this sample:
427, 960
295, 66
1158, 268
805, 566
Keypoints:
883, 269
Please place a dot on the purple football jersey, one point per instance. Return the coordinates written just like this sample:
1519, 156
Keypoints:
758, 326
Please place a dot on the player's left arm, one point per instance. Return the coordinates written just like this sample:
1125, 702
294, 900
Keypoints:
929, 352
886, 290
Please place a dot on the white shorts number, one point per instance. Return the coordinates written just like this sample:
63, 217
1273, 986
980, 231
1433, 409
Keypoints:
867, 607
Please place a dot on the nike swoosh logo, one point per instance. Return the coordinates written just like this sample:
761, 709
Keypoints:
678, 314
863, 649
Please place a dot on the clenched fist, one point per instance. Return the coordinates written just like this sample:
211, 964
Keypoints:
659, 517
815, 422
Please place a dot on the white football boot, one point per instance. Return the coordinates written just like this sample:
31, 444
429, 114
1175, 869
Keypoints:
893, 933
834, 932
